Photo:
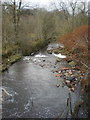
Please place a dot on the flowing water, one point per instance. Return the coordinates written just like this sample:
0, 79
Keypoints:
32, 86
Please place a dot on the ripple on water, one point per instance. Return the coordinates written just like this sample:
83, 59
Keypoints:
45, 112
15, 115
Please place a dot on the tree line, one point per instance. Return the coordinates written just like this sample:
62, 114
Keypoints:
27, 30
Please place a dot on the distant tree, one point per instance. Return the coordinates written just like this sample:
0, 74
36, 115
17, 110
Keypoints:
48, 27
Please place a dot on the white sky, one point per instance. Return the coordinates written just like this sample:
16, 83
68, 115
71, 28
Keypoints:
40, 3
43, 3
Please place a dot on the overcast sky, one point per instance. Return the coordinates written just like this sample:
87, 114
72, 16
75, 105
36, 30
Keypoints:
42, 3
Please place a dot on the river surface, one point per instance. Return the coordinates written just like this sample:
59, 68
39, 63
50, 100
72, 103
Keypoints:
32, 86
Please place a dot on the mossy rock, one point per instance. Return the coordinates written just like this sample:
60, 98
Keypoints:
59, 50
56, 50
3, 68
14, 58
72, 63
9, 61
65, 52
58, 60
49, 51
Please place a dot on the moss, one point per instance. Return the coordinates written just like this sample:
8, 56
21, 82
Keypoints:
72, 63
3, 68
8, 50
9, 61
14, 58
56, 50
58, 60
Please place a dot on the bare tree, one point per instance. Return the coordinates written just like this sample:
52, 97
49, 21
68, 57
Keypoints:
16, 15
73, 6
61, 6
84, 8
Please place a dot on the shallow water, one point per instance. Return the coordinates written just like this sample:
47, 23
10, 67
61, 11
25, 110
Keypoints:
33, 87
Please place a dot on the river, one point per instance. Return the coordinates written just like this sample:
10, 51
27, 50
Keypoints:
32, 86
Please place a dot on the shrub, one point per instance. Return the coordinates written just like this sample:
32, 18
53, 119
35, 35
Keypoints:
77, 42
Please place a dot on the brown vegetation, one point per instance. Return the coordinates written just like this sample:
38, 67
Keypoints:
85, 82
76, 39
77, 43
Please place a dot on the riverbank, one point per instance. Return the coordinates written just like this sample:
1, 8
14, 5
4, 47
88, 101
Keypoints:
11, 53
6, 62
83, 79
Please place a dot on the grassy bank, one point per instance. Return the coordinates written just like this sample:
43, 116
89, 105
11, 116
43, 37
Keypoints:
6, 62
12, 52
10, 55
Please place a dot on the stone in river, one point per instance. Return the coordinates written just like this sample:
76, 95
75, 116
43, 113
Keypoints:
67, 82
72, 89
72, 63
66, 74
58, 60
65, 68
57, 85
58, 75
70, 72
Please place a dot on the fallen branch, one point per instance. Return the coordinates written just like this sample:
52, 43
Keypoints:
84, 64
